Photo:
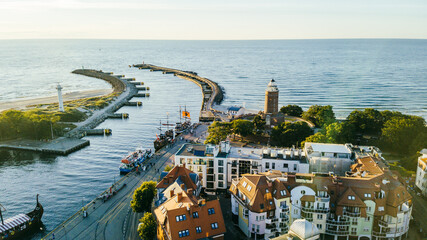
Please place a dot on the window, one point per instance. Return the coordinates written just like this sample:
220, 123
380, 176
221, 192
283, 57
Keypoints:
184, 233
302, 192
214, 225
211, 211
220, 170
267, 165
369, 209
256, 218
367, 219
180, 218
319, 216
285, 165
261, 206
198, 229
353, 231
319, 226
380, 209
195, 214
220, 184
244, 184
366, 229
249, 187
220, 177
271, 202
350, 197
220, 162
266, 190
368, 195
283, 192
295, 167
273, 165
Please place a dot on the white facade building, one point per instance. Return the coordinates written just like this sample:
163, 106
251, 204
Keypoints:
219, 164
325, 157
421, 178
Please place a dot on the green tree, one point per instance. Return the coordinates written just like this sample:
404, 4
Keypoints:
320, 115
147, 226
399, 134
287, 134
218, 131
143, 197
168, 168
292, 110
333, 133
242, 127
366, 122
259, 124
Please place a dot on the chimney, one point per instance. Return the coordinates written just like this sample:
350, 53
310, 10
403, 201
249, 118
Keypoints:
172, 192
179, 197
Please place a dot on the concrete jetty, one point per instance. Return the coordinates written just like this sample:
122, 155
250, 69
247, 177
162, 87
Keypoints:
212, 92
59, 146
118, 115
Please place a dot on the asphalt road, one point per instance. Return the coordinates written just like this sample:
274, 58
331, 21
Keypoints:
114, 218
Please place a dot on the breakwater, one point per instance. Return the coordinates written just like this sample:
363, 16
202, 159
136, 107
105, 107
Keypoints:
72, 140
212, 92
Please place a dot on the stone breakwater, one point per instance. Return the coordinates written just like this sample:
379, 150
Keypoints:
212, 92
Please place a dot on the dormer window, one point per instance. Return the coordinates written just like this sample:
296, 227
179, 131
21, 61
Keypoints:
350, 197
283, 193
195, 214
244, 184
266, 190
249, 187
368, 195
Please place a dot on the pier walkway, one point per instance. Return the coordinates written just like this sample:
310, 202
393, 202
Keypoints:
114, 218
212, 93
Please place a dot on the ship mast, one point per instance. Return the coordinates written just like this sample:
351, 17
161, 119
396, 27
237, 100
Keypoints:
1, 216
180, 114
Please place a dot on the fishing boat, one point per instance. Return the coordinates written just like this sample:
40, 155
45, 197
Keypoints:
134, 159
21, 225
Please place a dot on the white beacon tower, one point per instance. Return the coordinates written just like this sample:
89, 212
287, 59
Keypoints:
61, 103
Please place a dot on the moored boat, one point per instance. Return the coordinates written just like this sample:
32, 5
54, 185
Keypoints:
21, 225
133, 160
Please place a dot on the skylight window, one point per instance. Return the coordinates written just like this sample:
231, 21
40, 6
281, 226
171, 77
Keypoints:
249, 187
244, 184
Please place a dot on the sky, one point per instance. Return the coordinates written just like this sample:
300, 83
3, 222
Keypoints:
212, 20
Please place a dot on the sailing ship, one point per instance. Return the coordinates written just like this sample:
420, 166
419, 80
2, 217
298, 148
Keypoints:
21, 225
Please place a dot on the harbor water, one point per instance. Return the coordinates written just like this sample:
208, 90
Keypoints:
347, 74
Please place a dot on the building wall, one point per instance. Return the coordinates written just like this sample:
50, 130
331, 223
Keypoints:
271, 102
253, 216
243, 221
364, 227
421, 178
296, 194
284, 165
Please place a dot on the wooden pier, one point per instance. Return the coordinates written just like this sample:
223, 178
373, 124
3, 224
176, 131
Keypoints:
212, 93
59, 146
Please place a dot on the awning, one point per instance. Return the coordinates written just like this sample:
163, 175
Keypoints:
13, 222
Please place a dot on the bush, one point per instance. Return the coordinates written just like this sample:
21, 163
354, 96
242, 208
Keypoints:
320, 115
168, 168
288, 134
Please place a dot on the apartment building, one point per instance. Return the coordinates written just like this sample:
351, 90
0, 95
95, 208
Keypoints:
183, 215
421, 178
369, 202
219, 164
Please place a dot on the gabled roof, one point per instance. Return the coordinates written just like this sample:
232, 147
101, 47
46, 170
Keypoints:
167, 213
345, 201
180, 174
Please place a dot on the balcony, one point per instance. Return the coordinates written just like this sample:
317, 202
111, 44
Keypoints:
270, 231
382, 223
271, 220
313, 210
351, 214
322, 199
339, 232
284, 208
341, 222
378, 234
284, 218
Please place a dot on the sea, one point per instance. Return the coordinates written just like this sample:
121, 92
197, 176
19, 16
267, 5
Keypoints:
386, 74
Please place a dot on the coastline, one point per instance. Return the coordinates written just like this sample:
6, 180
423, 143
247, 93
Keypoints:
27, 103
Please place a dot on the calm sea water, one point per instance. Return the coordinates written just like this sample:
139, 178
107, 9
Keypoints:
347, 74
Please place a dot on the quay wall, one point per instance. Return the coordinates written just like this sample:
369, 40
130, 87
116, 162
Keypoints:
118, 85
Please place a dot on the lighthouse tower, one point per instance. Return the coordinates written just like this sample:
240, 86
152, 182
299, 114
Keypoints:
61, 103
271, 98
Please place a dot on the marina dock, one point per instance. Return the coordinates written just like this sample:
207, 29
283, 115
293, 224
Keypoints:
59, 146
212, 92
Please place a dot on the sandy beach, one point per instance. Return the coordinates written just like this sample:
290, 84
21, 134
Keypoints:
23, 104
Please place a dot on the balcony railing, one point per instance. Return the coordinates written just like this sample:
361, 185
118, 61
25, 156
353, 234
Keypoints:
270, 230
339, 232
378, 234
322, 198
271, 220
340, 222
351, 214
313, 210
382, 223
284, 218
284, 208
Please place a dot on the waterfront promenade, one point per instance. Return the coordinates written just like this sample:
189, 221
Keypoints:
114, 218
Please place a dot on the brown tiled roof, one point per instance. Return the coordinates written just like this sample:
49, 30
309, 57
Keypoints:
173, 174
345, 201
307, 198
167, 212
